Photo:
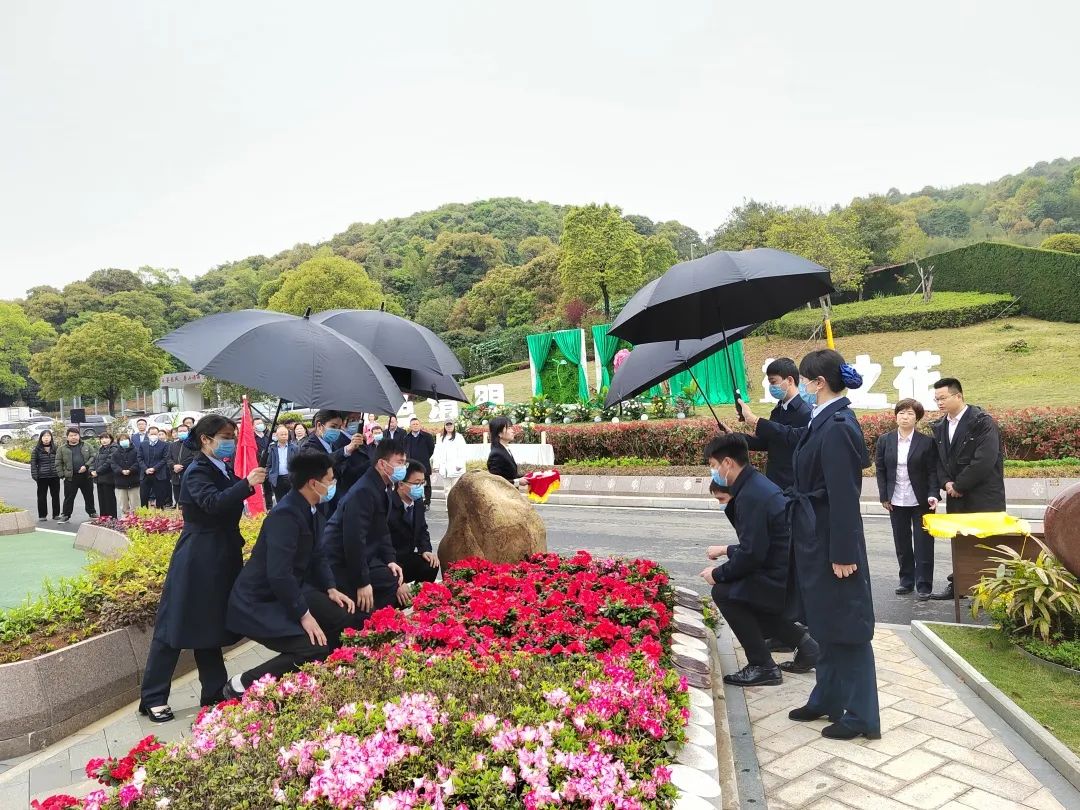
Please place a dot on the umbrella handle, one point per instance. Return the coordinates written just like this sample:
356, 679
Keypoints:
719, 424
273, 427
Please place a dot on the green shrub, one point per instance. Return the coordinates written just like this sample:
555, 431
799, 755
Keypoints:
624, 461
1065, 653
68, 605
19, 455
5, 508
901, 313
1064, 242
509, 368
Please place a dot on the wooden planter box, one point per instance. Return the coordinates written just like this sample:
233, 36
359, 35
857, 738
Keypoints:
16, 522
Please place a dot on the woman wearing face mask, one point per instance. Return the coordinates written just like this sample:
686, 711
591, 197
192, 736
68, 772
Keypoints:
450, 456
126, 475
102, 473
205, 563
180, 457
500, 461
830, 549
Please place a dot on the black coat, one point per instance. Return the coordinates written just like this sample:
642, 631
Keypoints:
921, 466
778, 467
43, 463
357, 538
180, 452
155, 457
348, 468
501, 463
826, 524
126, 460
757, 567
974, 461
102, 465
409, 532
420, 447
267, 599
273, 471
207, 559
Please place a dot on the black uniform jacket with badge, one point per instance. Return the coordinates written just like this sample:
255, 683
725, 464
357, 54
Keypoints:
973, 461
409, 530
778, 467
757, 567
826, 523
357, 537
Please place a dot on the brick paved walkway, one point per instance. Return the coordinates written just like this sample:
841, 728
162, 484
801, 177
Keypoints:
933, 755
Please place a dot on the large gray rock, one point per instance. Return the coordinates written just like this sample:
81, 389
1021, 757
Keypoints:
490, 519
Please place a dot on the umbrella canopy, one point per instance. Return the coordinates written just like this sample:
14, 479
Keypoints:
652, 363
699, 298
418, 360
287, 356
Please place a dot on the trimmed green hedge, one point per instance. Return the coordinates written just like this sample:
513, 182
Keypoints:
509, 368
901, 313
1045, 281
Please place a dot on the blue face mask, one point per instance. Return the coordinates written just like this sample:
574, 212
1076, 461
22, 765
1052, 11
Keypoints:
225, 448
718, 479
399, 473
182, 435
331, 435
778, 392
125, 443
352, 428
331, 491
376, 438
808, 398
416, 492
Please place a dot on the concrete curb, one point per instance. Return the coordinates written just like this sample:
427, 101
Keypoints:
18, 522
1048, 746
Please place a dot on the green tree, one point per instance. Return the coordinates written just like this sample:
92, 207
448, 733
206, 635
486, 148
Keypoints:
1064, 242
80, 297
113, 280
950, 220
459, 260
326, 281
434, 313
532, 246
878, 225
686, 241
601, 255
831, 240
746, 226
657, 256
19, 336
46, 305
142, 306
502, 299
102, 358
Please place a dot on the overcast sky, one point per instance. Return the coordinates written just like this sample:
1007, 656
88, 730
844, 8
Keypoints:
189, 134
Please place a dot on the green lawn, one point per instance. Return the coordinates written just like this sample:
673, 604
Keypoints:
27, 559
1050, 696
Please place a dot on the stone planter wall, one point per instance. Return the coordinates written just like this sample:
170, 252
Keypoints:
106, 542
16, 522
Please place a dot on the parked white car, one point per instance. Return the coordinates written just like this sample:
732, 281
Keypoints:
10, 431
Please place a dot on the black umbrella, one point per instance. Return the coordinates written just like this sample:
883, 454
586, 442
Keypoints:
418, 360
287, 356
652, 363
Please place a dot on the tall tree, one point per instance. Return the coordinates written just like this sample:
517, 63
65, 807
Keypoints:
113, 280
746, 226
326, 281
102, 358
831, 240
657, 255
878, 225
18, 336
459, 260
601, 255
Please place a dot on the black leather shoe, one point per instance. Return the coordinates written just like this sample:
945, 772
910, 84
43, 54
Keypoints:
944, 594
922, 596
839, 731
806, 657
776, 645
804, 714
752, 675
902, 590
163, 715
228, 693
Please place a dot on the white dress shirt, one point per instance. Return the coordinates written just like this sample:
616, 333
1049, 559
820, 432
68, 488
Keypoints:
954, 422
903, 493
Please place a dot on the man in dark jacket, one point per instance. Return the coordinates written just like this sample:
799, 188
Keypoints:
409, 530
750, 589
73, 461
268, 603
282, 452
180, 456
350, 460
420, 446
971, 460
790, 410
154, 463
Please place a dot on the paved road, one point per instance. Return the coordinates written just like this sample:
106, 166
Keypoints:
675, 538
17, 488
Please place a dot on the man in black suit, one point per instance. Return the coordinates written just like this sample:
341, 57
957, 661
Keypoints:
154, 462
790, 410
750, 589
268, 603
358, 544
350, 461
409, 529
906, 466
420, 446
971, 459
393, 431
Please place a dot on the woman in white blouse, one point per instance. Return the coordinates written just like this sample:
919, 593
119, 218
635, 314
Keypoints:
906, 462
450, 455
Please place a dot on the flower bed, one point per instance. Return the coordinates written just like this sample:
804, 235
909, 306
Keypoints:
542, 684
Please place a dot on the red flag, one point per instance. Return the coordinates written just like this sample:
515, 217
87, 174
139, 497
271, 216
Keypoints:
247, 459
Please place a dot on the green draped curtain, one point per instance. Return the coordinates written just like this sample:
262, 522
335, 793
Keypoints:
539, 349
606, 346
714, 375
569, 343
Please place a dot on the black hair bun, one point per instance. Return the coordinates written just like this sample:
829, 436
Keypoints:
852, 379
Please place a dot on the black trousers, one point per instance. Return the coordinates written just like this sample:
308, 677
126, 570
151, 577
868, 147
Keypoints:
914, 547
159, 490
332, 618
268, 495
79, 483
161, 666
751, 626
106, 495
415, 568
294, 651
281, 488
176, 492
846, 685
45, 488
427, 489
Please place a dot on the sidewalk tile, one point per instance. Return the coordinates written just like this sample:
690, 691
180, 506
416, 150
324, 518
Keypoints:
1005, 788
852, 751
772, 782
930, 713
912, 765
893, 717
805, 789
828, 803
930, 793
898, 741
53, 773
798, 762
942, 732
1043, 800
958, 707
996, 748
918, 695
901, 669
976, 727
777, 722
863, 799
14, 794
790, 739
1018, 773
870, 779
981, 800
887, 699
965, 756
765, 756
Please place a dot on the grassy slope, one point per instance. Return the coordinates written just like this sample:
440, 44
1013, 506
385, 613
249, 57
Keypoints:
1050, 696
1049, 374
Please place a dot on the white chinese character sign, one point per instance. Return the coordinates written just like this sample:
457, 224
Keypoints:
863, 397
493, 393
442, 409
765, 395
916, 380
407, 410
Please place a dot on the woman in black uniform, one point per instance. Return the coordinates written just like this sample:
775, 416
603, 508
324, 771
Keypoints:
207, 559
500, 461
830, 549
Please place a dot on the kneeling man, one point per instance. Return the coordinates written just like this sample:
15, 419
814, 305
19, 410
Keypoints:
267, 603
409, 531
750, 589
